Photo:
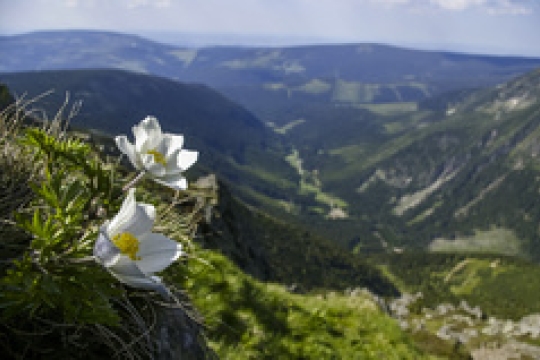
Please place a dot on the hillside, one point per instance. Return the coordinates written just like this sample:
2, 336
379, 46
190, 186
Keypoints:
463, 179
485, 303
456, 172
273, 250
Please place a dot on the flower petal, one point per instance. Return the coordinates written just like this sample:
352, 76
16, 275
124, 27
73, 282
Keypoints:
124, 266
157, 252
127, 272
186, 158
126, 211
104, 250
141, 282
135, 218
128, 148
180, 161
174, 181
171, 143
147, 134
137, 282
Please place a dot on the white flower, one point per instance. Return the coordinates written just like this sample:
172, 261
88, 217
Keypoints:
157, 153
130, 251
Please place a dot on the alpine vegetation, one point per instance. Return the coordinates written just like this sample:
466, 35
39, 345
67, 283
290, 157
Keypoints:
56, 294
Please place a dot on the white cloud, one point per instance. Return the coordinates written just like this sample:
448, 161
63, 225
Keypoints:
510, 7
75, 4
494, 7
458, 4
162, 3
391, 2
71, 3
133, 4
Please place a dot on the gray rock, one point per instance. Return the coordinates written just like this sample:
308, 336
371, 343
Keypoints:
475, 311
529, 325
178, 333
443, 309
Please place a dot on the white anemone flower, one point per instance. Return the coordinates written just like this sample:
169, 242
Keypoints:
157, 153
130, 251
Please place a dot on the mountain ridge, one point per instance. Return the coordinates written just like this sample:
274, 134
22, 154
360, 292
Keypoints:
223, 67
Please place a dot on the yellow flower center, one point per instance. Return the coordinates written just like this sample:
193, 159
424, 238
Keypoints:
158, 157
128, 245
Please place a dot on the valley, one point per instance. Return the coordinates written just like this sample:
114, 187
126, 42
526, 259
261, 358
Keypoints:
390, 152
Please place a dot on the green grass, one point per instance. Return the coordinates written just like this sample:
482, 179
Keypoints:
309, 186
247, 319
469, 277
502, 286
494, 240
285, 128
425, 214
354, 92
396, 280
314, 86
267, 176
350, 153
390, 109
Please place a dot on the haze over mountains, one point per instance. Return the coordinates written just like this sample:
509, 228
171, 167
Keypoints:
312, 70
375, 147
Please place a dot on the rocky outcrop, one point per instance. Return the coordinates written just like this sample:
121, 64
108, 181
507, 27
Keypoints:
226, 229
486, 338
179, 334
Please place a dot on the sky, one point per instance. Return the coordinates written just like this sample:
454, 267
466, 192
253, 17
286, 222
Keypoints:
502, 27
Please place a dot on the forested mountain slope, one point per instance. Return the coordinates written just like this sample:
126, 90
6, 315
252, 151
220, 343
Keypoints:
464, 179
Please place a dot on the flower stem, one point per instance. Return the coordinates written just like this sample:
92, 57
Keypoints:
134, 181
86, 259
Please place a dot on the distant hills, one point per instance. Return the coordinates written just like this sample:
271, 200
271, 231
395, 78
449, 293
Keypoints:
352, 73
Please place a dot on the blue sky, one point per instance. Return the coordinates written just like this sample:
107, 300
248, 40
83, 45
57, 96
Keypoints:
507, 27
